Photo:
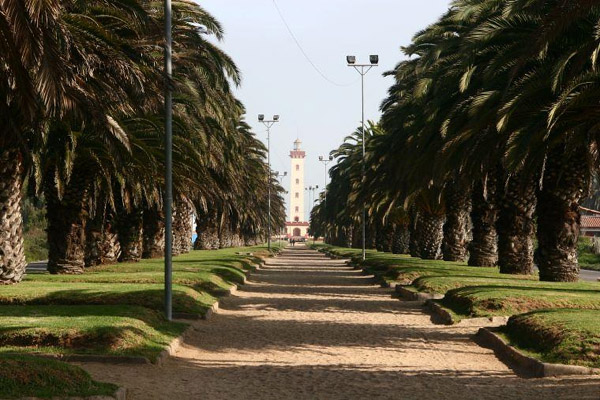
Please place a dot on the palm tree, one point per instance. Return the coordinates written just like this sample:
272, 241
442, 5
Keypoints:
457, 202
483, 248
49, 74
22, 104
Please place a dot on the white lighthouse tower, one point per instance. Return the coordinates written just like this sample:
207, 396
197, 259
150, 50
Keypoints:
297, 226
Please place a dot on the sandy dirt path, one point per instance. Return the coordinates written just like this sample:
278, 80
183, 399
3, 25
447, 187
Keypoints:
306, 327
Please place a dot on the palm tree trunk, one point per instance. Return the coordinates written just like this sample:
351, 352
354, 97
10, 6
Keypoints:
401, 240
153, 245
182, 227
111, 247
208, 233
515, 226
12, 252
483, 248
67, 218
356, 236
225, 237
344, 238
414, 244
130, 228
431, 234
332, 237
102, 244
566, 179
371, 236
348, 232
456, 228
237, 240
385, 237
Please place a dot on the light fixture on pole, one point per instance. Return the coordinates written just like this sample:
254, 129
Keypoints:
168, 193
363, 69
325, 161
268, 124
311, 197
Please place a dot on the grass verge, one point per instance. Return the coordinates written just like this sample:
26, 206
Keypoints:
116, 309
475, 291
557, 336
99, 330
552, 321
23, 376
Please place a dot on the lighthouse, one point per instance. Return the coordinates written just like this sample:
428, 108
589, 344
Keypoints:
297, 226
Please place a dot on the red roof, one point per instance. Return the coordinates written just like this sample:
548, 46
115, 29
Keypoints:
590, 222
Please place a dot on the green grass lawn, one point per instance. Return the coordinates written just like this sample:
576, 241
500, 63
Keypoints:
23, 376
555, 322
111, 330
474, 291
116, 309
185, 299
406, 270
516, 297
558, 336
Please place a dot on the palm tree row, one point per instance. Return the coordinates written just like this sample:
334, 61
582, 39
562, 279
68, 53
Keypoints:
81, 105
489, 138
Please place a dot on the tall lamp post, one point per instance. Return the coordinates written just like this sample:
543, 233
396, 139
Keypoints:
168, 194
325, 161
279, 176
363, 69
311, 199
311, 196
268, 124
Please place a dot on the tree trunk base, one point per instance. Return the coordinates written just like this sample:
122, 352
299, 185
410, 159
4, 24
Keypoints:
12, 252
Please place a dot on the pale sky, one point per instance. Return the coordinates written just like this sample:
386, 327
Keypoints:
277, 78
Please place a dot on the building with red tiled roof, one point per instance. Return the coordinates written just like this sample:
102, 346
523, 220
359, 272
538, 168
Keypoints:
590, 222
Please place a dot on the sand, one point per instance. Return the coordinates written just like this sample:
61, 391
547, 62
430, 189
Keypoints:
306, 327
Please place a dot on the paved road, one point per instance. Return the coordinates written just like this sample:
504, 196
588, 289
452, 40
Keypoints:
306, 327
591, 276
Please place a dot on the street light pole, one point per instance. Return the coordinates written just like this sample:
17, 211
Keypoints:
268, 124
363, 69
325, 161
168, 195
279, 176
311, 198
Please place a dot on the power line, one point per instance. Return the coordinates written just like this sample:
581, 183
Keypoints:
304, 52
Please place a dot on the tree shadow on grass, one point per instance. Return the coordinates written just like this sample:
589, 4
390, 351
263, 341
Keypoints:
136, 331
184, 301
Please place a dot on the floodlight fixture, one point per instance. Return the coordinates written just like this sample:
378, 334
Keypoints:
363, 69
269, 125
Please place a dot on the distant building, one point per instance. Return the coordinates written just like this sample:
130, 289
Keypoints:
590, 222
297, 226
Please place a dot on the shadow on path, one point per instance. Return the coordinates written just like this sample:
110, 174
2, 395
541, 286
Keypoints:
306, 327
